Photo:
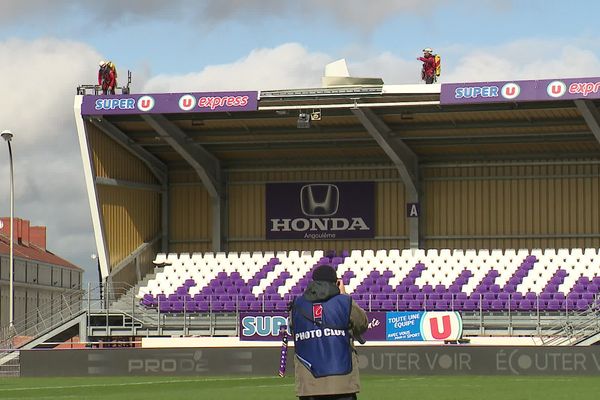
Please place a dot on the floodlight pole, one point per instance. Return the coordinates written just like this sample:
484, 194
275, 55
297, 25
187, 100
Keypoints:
7, 135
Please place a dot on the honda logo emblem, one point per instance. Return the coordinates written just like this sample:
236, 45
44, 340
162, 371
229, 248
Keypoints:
319, 199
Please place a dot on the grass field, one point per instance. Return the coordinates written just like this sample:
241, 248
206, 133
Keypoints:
275, 388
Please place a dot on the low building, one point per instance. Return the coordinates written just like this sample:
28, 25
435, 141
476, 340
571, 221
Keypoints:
41, 278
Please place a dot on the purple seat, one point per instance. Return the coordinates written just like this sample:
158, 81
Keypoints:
189, 282
545, 296
504, 296
413, 289
388, 305
579, 288
570, 304
176, 306
553, 305
364, 304
415, 305
407, 296
588, 296
402, 305
229, 306
498, 305
582, 304
448, 296
243, 305
442, 305
490, 296
454, 288
430, 304
525, 305
531, 296
434, 296
471, 305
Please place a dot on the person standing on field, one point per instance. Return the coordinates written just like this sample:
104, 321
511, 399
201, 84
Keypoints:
324, 323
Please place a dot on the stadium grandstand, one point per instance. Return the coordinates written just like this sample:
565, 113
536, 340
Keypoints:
476, 198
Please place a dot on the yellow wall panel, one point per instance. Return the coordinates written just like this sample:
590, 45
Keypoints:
512, 206
111, 160
130, 218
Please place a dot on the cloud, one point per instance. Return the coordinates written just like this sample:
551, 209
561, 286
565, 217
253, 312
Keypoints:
292, 65
285, 66
40, 78
350, 13
524, 59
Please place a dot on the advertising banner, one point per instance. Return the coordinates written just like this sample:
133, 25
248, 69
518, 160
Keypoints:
391, 326
261, 326
423, 326
337, 210
170, 103
264, 326
262, 361
526, 90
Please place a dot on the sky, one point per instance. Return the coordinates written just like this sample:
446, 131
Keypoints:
49, 48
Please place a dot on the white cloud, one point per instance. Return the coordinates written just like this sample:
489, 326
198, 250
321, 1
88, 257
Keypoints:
524, 59
40, 78
292, 65
287, 66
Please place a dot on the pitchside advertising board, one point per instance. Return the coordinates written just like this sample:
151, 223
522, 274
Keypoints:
170, 103
336, 210
528, 90
417, 326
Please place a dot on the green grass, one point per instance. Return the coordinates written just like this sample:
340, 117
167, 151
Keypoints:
274, 388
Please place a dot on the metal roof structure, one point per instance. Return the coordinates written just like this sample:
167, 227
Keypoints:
435, 132
401, 126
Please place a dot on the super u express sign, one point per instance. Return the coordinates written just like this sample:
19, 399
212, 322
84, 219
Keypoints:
336, 210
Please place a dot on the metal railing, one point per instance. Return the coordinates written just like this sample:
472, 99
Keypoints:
45, 318
574, 328
97, 89
553, 327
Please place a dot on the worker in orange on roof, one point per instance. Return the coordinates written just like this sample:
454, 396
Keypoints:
428, 70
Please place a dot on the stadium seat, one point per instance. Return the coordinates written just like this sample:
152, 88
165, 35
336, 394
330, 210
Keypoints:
435, 279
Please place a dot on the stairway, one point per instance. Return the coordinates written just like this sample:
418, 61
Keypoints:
579, 329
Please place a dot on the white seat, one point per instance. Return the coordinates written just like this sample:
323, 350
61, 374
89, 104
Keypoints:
160, 258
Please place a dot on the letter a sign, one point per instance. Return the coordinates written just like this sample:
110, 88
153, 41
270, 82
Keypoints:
412, 210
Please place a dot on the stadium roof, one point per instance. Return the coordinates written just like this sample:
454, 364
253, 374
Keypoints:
474, 125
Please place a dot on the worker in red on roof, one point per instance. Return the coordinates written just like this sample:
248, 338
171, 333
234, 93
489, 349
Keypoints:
428, 71
107, 77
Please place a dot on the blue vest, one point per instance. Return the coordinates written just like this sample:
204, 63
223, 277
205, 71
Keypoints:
321, 335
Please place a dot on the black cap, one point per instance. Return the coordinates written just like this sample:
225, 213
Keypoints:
325, 273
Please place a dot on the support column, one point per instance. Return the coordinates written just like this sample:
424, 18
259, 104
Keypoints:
405, 160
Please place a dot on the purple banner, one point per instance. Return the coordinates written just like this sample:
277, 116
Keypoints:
337, 210
376, 330
514, 91
170, 103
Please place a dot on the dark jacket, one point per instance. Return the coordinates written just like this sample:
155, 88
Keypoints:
306, 383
